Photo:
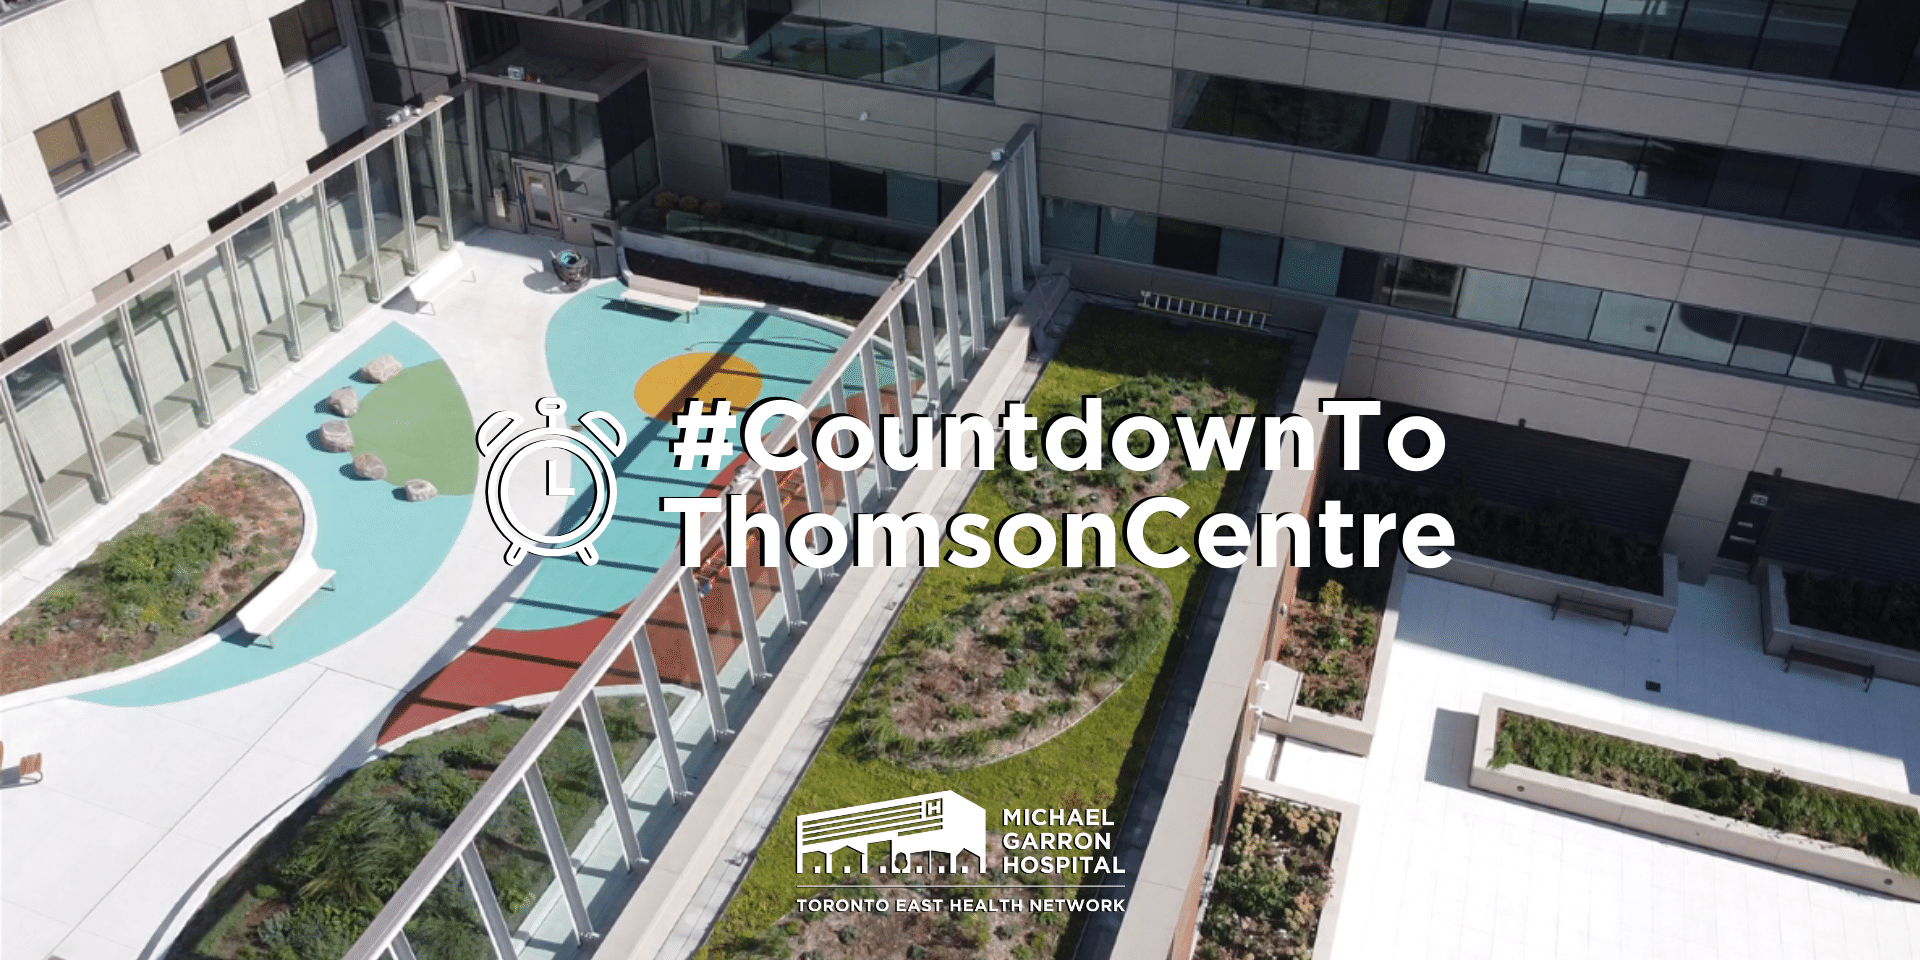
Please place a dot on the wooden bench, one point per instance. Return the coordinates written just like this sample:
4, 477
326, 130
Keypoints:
436, 279
1598, 611
278, 600
661, 295
1864, 670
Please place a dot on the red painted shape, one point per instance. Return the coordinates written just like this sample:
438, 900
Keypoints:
510, 664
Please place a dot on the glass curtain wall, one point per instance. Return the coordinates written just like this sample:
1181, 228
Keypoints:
602, 153
114, 392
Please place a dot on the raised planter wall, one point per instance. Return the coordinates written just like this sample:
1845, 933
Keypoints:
1345, 733
1684, 824
779, 268
1323, 935
1654, 611
1779, 634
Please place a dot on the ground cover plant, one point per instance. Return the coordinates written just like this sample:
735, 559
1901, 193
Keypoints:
1274, 878
1024, 659
1331, 639
171, 576
1886, 613
1089, 764
1886, 831
312, 885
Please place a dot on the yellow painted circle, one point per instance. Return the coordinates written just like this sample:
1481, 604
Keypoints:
664, 390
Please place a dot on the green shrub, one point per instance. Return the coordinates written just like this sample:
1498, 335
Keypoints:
1886, 613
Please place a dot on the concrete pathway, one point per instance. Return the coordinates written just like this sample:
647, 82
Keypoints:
142, 805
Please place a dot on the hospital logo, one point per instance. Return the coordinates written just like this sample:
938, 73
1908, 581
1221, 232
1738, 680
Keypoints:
944, 822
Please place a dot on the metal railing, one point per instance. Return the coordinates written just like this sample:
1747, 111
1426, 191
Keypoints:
106, 396
931, 329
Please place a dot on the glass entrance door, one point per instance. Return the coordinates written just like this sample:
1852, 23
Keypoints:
538, 198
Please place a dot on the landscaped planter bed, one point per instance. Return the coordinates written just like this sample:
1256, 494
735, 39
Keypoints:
1652, 610
1852, 833
1339, 701
1783, 608
1084, 765
1277, 891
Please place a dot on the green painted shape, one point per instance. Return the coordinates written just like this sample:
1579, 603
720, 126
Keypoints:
418, 423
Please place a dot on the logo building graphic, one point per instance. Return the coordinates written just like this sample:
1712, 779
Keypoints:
943, 822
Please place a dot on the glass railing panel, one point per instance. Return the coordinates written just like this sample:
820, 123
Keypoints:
263, 298
390, 224
58, 462
166, 365
346, 221
20, 533
103, 366
216, 333
423, 191
303, 237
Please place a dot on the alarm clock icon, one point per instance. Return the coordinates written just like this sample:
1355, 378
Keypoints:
506, 453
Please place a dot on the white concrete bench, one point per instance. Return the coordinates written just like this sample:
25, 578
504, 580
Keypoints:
277, 601
434, 280
661, 295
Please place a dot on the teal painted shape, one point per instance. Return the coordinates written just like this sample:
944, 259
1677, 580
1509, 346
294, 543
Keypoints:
382, 549
597, 349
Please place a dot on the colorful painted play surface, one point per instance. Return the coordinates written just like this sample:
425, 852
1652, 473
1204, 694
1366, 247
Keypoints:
382, 548
599, 352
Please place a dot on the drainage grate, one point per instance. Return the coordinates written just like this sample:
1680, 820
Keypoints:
1653, 685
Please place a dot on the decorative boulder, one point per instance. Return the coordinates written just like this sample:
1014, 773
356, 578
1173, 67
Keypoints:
369, 467
381, 368
336, 436
418, 490
344, 402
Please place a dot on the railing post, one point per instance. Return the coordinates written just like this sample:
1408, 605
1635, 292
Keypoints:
376, 285
657, 709
205, 413
783, 561
330, 254
25, 457
742, 588
231, 264
124, 318
1030, 199
902, 361
870, 390
480, 886
403, 182
555, 840
442, 189
401, 947
929, 359
703, 656
996, 267
849, 479
611, 783
287, 301
94, 458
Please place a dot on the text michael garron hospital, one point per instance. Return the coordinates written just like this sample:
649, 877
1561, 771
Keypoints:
844, 443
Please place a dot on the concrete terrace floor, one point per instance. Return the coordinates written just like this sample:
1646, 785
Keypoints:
145, 806
1440, 870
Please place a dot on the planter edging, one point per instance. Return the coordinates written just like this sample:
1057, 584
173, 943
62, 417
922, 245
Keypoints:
1650, 610
1323, 934
1779, 635
1345, 733
1683, 824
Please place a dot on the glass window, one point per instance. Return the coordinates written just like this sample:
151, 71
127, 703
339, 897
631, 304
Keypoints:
1423, 285
912, 58
1603, 161
81, 143
1127, 235
1528, 149
1185, 245
1721, 32
1698, 333
1252, 257
1268, 111
1896, 369
796, 43
753, 170
914, 199
1887, 203
1310, 267
1766, 345
1753, 183
1625, 320
858, 189
1362, 275
1832, 356
1456, 139
966, 68
1561, 309
1486, 18
1638, 27
203, 83
1677, 172
1069, 225
306, 32
1802, 37
1204, 104
855, 52
1491, 297
805, 180
1335, 121
1565, 23
1823, 193
1371, 10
